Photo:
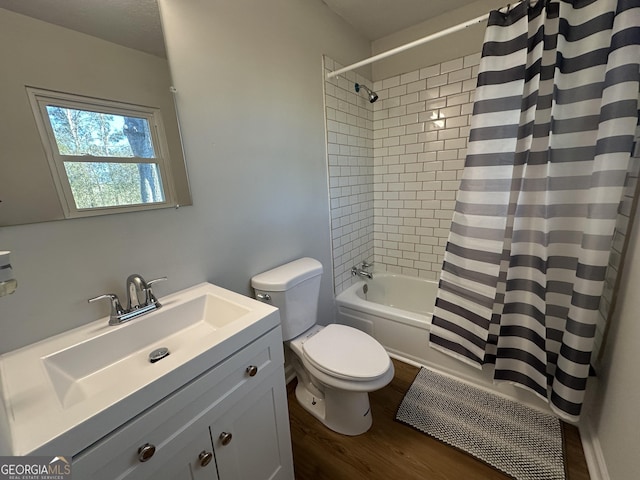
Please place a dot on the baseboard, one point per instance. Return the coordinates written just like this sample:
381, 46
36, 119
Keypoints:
593, 452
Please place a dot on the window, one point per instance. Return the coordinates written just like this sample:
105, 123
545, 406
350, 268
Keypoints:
104, 155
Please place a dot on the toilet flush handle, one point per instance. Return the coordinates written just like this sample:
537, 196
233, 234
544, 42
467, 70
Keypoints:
263, 297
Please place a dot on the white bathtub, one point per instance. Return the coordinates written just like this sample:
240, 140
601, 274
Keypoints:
396, 310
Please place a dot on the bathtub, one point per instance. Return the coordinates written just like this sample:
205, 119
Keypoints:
396, 310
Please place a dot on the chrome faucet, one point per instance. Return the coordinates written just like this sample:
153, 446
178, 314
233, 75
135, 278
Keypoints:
140, 300
362, 270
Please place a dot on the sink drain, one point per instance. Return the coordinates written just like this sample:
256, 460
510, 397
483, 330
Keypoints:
158, 354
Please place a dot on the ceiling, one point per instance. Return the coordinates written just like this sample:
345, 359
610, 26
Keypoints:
375, 19
132, 23
136, 23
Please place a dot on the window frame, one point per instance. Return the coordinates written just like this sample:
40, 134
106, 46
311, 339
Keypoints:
41, 98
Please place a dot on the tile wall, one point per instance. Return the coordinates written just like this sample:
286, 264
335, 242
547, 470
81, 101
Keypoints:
421, 125
349, 118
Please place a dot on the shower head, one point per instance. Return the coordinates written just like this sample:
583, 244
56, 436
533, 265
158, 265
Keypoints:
373, 96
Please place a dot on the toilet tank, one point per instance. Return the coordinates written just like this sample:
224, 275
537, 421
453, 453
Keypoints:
294, 288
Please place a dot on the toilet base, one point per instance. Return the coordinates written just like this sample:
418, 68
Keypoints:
348, 413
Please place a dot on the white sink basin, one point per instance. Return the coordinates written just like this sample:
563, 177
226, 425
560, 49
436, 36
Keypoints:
66, 392
90, 367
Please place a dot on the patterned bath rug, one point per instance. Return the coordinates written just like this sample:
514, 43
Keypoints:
522, 442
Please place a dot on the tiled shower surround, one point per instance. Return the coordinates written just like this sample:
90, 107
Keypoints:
349, 117
420, 130
394, 166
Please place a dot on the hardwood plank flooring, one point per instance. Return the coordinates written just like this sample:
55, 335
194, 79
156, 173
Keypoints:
392, 450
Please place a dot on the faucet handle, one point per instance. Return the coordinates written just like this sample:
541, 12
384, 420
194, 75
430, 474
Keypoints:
116, 307
366, 264
156, 280
151, 298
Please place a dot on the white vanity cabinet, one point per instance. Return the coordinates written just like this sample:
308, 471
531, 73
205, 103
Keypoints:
230, 423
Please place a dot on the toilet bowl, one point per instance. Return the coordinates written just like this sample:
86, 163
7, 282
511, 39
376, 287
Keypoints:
336, 366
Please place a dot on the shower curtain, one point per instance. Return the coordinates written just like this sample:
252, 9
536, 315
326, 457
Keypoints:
555, 111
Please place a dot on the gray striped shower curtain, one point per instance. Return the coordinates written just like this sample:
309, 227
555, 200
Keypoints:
556, 107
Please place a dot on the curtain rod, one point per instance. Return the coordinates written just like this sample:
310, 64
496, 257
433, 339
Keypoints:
415, 43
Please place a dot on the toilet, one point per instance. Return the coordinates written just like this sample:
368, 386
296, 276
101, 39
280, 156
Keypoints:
337, 366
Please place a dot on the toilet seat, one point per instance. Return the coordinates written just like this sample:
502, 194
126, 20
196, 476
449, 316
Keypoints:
347, 353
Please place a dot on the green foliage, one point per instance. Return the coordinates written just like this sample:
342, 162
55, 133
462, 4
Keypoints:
82, 132
104, 184
98, 184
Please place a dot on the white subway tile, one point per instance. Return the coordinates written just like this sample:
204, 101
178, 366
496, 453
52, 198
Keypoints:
410, 77
460, 121
458, 99
415, 148
416, 107
431, 71
439, 145
447, 155
417, 86
450, 111
409, 119
397, 150
455, 143
397, 131
391, 122
391, 82
391, 141
428, 136
406, 139
451, 89
428, 159
409, 98
469, 85
446, 175
391, 102
426, 176
472, 60
398, 111
415, 128
448, 133
435, 103
397, 91
460, 75
451, 65
437, 81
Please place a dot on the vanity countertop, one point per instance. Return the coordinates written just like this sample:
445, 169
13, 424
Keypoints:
58, 398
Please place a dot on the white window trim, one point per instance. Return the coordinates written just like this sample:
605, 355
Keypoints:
39, 98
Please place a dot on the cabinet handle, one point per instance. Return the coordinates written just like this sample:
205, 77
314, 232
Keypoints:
146, 451
252, 370
225, 438
205, 458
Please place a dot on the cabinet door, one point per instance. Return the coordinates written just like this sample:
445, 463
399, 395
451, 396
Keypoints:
193, 461
252, 440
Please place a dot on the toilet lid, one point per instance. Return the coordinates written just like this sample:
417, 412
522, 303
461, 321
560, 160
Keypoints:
346, 352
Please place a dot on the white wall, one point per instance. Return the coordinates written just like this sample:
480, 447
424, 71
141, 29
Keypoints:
249, 79
615, 417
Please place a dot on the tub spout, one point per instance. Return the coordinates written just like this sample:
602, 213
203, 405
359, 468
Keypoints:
361, 272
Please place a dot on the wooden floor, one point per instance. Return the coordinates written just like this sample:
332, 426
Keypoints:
392, 450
